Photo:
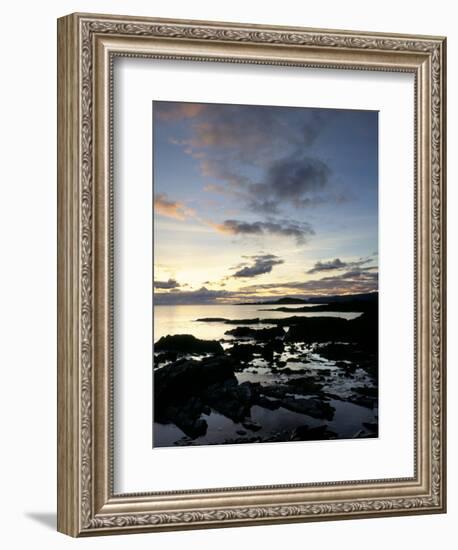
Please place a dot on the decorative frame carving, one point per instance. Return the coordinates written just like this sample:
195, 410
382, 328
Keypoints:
87, 45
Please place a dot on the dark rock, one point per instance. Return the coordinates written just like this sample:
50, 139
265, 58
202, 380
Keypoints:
241, 332
304, 385
186, 343
165, 357
352, 305
211, 320
371, 427
315, 408
276, 345
332, 396
241, 432
324, 372
231, 399
367, 391
266, 403
185, 416
304, 433
363, 329
255, 321
278, 391
251, 425
257, 334
319, 329
244, 352
362, 401
267, 354
177, 383
340, 352
196, 429
288, 370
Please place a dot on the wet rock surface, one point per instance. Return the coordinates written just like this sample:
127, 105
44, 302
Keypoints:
302, 379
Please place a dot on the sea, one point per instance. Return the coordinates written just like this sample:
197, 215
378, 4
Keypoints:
182, 319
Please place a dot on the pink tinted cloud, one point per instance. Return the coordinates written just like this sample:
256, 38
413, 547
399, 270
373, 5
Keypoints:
170, 208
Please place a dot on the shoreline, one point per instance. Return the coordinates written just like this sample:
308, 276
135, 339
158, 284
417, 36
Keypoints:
305, 378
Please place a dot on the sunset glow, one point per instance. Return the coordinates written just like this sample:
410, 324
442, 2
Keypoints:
257, 202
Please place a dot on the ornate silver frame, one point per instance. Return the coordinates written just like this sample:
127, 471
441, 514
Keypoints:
87, 44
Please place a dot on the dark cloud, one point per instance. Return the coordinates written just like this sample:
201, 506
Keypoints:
327, 266
226, 139
337, 264
359, 280
283, 228
248, 133
170, 284
259, 265
313, 126
297, 179
356, 281
366, 273
201, 296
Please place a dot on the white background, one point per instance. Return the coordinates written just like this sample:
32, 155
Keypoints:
28, 274
136, 82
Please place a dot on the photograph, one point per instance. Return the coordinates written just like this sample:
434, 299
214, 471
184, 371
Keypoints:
251, 274
265, 279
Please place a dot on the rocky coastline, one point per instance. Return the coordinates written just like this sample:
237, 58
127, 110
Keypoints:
302, 373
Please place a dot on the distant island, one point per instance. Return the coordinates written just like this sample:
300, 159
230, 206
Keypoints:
287, 300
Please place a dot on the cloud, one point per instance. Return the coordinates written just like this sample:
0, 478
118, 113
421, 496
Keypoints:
359, 280
260, 264
257, 154
174, 111
244, 130
327, 266
282, 228
247, 133
337, 264
170, 208
313, 125
170, 284
201, 296
296, 179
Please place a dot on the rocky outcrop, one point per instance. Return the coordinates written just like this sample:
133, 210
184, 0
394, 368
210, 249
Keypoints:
244, 352
264, 334
319, 329
182, 380
186, 343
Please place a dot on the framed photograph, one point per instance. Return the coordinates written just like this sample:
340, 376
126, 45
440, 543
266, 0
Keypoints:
251, 290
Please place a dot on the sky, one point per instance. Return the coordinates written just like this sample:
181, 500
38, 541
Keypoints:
260, 202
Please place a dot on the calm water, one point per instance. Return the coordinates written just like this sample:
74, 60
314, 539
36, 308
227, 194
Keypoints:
182, 319
347, 421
